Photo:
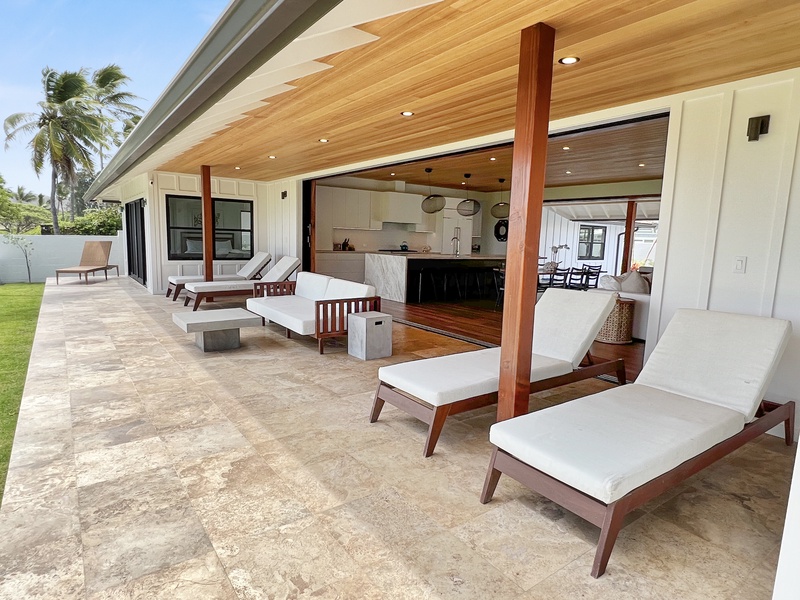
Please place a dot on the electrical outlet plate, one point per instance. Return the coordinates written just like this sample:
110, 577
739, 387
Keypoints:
740, 265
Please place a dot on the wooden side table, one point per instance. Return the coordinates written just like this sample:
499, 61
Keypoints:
618, 328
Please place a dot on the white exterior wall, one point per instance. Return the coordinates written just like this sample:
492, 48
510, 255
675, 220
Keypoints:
276, 221
557, 230
51, 252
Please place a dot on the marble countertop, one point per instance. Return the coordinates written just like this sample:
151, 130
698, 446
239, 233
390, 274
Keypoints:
434, 256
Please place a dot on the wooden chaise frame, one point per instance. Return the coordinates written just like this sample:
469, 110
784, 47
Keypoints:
94, 258
330, 315
176, 288
609, 517
434, 416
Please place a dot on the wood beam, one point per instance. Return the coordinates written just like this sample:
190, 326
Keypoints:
208, 223
534, 83
627, 245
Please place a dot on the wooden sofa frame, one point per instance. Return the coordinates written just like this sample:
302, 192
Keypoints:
325, 326
609, 517
434, 416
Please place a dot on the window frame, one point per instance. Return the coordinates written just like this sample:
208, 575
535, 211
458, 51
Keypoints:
220, 233
591, 244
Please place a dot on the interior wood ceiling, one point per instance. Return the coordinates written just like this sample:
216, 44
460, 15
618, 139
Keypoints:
455, 64
606, 155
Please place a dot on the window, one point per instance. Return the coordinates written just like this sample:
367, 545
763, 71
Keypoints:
233, 229
592, 242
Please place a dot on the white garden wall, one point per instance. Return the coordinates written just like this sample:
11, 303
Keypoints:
51, 252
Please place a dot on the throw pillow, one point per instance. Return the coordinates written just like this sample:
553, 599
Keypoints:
609, 282
634, 283
194, 246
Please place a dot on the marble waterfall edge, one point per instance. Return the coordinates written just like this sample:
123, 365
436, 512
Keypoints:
388, 274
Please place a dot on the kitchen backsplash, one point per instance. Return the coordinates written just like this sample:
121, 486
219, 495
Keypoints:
391, 236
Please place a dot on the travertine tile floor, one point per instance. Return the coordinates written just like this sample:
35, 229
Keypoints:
144, 468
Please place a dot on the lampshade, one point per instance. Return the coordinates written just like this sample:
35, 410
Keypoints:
500, 210
432, 203
468, 207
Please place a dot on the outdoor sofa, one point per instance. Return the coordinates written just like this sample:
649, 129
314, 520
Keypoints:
315, 305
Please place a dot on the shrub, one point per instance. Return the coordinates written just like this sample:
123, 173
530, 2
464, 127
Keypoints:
96, 221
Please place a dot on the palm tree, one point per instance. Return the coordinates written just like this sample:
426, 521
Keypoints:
66, 130
23, 196
107, 92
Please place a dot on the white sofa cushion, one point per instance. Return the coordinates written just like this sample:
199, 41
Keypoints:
567, 321
721, 358
447, 379
311, 285
293, 312
610, 443
341, 288
254, 265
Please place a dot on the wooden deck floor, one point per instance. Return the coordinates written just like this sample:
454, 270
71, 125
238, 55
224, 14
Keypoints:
480, 321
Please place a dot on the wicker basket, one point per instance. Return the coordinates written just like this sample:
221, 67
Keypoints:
618, 328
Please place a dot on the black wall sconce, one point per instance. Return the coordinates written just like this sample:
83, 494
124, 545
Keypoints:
756, 127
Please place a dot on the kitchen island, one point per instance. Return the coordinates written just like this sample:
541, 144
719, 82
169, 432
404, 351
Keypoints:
415, 277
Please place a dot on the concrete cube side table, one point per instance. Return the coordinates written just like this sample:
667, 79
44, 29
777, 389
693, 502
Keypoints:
216, 329
369, 335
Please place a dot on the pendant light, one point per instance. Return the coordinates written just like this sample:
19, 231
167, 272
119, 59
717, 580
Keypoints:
468, 208
432, 203
501, 209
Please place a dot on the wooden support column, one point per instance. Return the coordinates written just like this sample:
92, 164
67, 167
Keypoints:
627, 244
534, 83
208, 223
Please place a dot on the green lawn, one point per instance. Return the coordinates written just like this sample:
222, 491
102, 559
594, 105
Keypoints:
19, 310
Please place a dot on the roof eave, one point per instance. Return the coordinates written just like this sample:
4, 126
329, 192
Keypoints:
248, 33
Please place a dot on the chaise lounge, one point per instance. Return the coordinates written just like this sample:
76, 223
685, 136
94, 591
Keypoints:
251, 270
208, 290
698, 398
94, 258
566, 323
315, 305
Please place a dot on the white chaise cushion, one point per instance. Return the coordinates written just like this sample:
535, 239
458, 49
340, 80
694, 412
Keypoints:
254, 265
567, 321
610, 443
243, 285
722, 358
311, 285
282, 269
293, 312
447, 379
341, 288
184, 279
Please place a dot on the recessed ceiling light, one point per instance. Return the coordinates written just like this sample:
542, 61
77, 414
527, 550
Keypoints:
237, 168
271, 156
493, 158
463, 183
565, 148
323, 140
407, 113
568, 172
392, 174
641, 164
569, 60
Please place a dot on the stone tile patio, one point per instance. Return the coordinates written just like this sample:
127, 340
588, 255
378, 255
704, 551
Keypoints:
144, 468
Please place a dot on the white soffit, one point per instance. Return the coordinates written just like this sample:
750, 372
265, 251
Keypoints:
603, 211
355, 12
332, 34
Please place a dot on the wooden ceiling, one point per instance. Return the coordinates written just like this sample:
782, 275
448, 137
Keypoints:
603, 155
455, 64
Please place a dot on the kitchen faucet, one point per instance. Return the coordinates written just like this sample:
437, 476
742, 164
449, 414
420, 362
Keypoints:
456, 241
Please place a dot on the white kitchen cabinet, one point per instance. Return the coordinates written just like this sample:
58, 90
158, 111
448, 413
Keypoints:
339, 207
428, 224
358, 209
343, 208
399, 207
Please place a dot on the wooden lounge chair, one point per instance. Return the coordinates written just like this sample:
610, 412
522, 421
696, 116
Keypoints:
251, 270
698, 398
93, 259
566, 323
208, 290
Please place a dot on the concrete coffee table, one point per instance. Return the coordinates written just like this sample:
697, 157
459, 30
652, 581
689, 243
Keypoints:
216, 329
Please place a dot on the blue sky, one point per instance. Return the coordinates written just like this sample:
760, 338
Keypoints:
149, 39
